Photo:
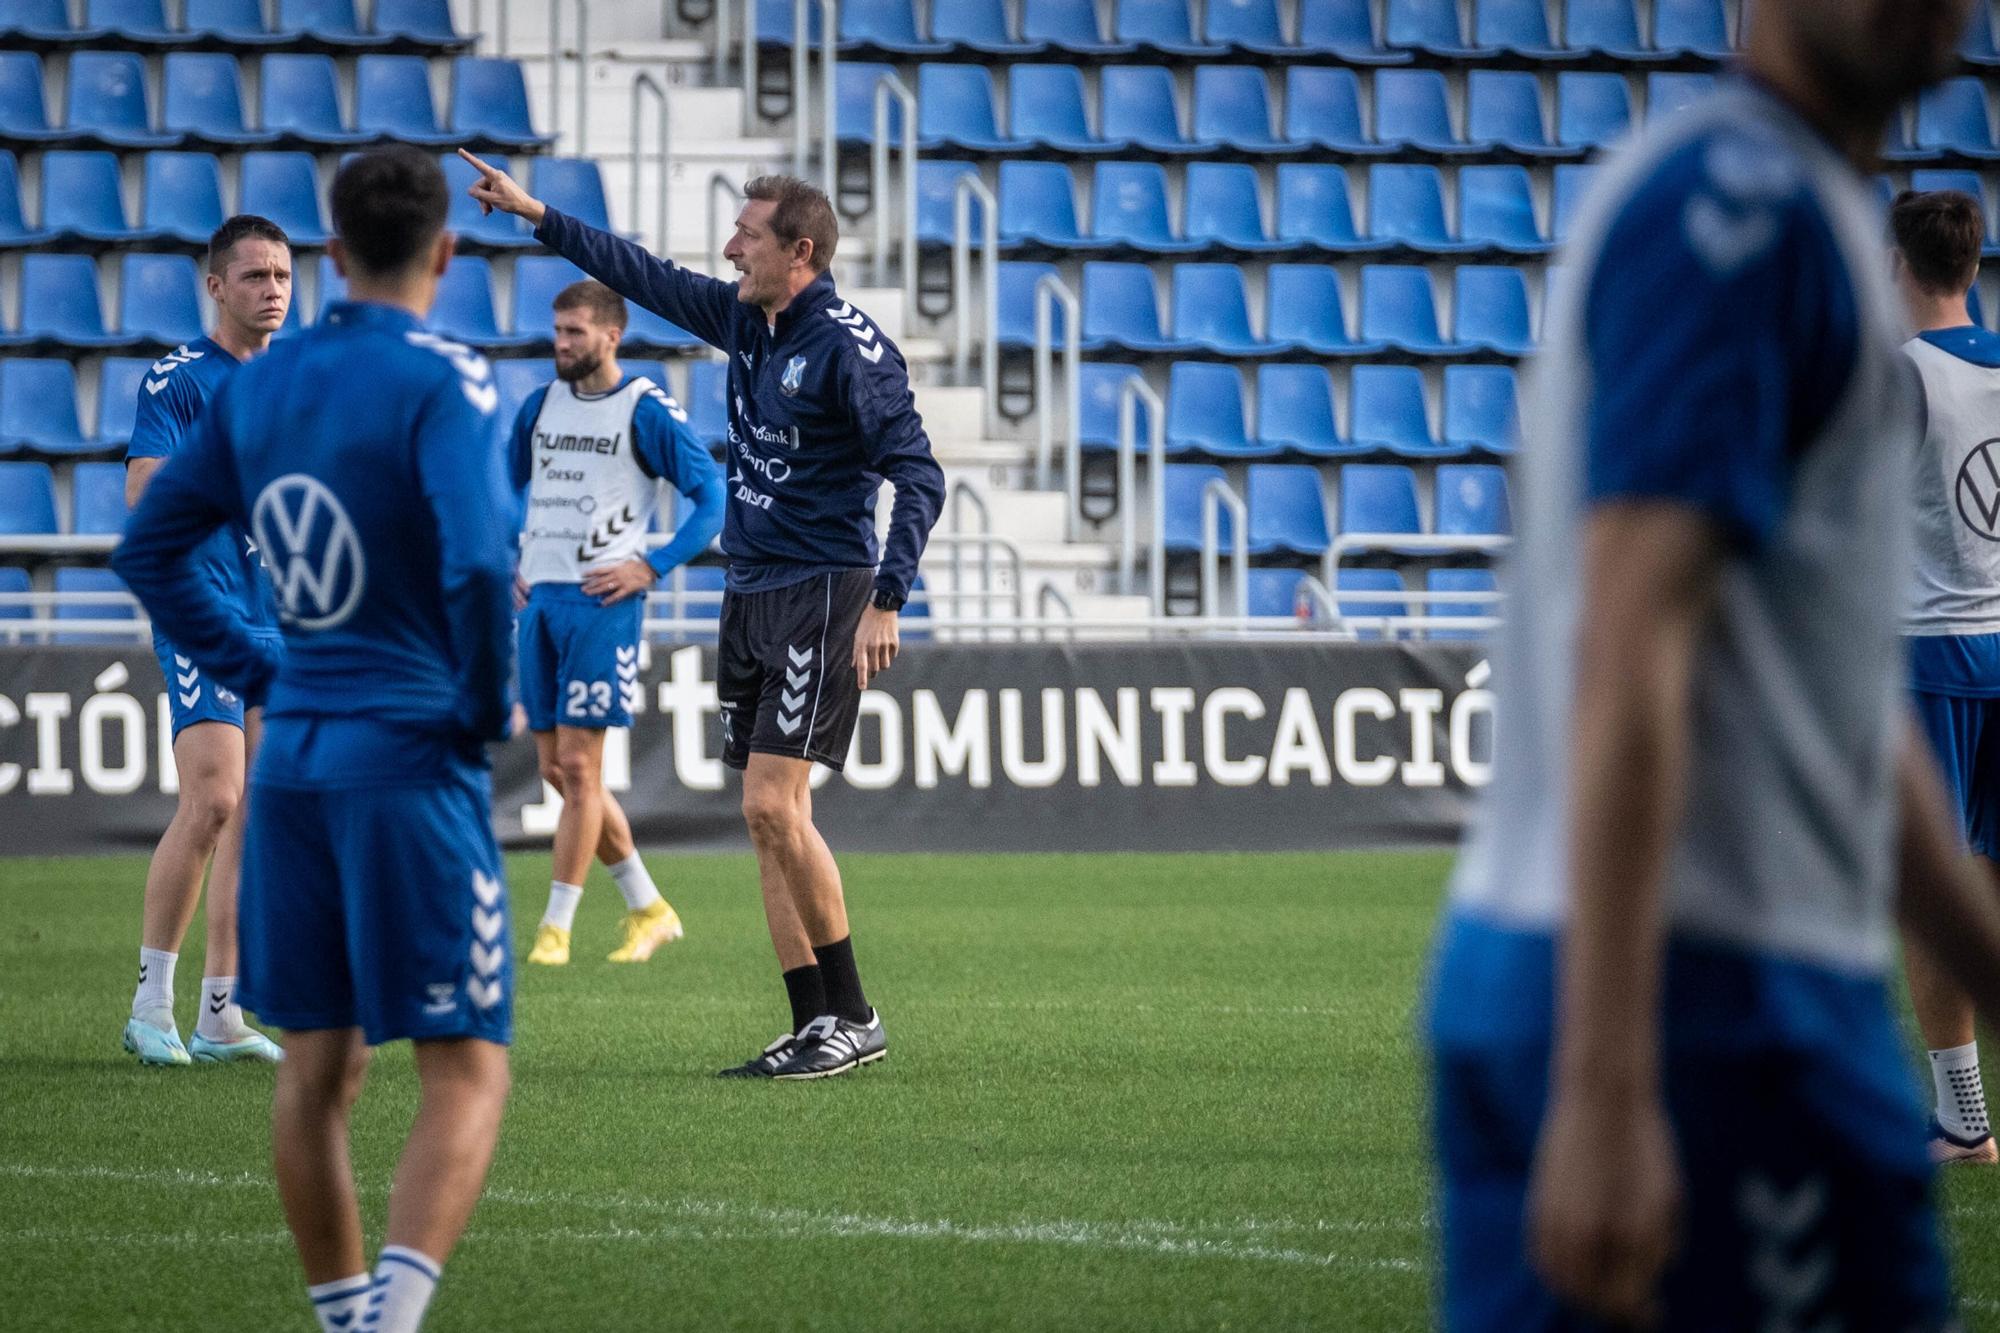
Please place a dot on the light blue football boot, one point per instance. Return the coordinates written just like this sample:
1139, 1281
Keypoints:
252, 1045
154, 1044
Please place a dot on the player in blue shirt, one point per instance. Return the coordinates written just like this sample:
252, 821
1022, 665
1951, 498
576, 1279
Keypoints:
365, 456
250, 280
590, 452
1671, 1090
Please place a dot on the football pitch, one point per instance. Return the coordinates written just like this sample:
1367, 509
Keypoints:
1123, 1093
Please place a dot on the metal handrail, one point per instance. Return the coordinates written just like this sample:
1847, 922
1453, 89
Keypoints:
878, 165
1133, 390
58, 543
1050, 288
1214, 496
1417, 543
829, 61
969, 186
989, 544
751, 55
960, 493
723, 23
1048, 593
644, 83
718, 181
582, 74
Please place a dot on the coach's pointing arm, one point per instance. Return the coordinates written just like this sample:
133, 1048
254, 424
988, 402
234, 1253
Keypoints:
703, 306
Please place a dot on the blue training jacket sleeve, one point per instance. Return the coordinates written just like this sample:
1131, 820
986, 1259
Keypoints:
885, 415
163, 418
187, 500
478, 514
704, 306
669, 450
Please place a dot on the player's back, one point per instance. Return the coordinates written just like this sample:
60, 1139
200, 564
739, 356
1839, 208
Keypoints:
1958, 484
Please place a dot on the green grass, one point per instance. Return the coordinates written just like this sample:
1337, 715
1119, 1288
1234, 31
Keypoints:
1144, 1093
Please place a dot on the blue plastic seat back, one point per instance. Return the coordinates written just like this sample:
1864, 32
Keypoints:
1185, 484
886, 23
1490, 305
1138, 104
1411, 106
1205, 408
392, 96
1504, 106
1275, 592
42, 18
1390, 412
118, 388
299, 96
1295, 408
183, 194
1460, 581
464, 308
537, 280
1378, 497
1046, 102
1323, 105
1017, 285
1593, 109
159, 298
80, 192
854, 101
100, 583
1128, 203
1222, 204
27, 498
284, 187
1304, 305
107, 92
1121, 302
1520, 24
953, 102
1472, 500
1287, 508
97, 497
1398, 305
708, 401
1099, 388
1212, 306
1061, 23
1481, 408
1037, 200
38, 403
204, 92
1242, 23
1406, 204
1953, 115
1337, 25
59, 297
971, 22
1161, 22
1232, 104
1314, 204
1602, 25
14, 587
1496, 206
573, 185
1355, 579
1572, 187
240, 19
321, 18
1429, 24
22, 109
424, 20
490, 97
516, 378
937, 200
1698, 26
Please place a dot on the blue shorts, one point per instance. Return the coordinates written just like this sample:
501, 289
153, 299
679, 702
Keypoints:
579, 658
382, 908
1965, 737
192, 697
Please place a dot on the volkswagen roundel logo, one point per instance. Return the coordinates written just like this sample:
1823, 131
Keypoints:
311, 549
1978, 491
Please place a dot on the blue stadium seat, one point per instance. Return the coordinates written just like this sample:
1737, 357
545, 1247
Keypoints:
708, 401
854, 102
775, 19
955, 109
705, 583
107, 98
1138, 108
647, 331
1121, 308
1184, 484
1496, 210
1246, 25
72, 579
331, 22
59, 303
1345, 28
1693, 27
284, 187
1459, 580
1357, 579
1472, 501
1399, 308
1017, 306
937, 200
980, 25
1431, 26
97, 497
518, 376
1503, 110
331, 288
1390, 413
238, 22
38, 407
1977, 47
392, 100
885, 26
1223, 209
1593, 109
1287, 510
537, 279
1099, 385
1572, 186
1158, 27
24, 117
204, 100
1047, 107
1965, 182
14, 587
37, 20
28, 499
1314, 208
1205, 412
1232, 109
138, 22
118, 381
1669, 91
1490, 310
1411, 109
1295, 411
1128, 207
81, 197
1212, 310
477, 230
489, 104
1952, 119
1406, 208
1605, 27
14, 228
1068, 27
1378, 497
1038, 204
1306, 312
1480, 409
1275, 593
159, 298
427, 22
464, 308
1519, 26
183, 196
299, 103
1323, 109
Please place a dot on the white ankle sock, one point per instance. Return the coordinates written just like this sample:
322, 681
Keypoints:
635, 883
342, 1303
221, 1018
404, 1281
156, 982
1961, 1096
563, 898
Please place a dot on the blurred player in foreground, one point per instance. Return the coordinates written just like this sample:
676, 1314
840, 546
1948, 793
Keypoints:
591, 450
1669, 1083
365, 456
1954, 618
250, 280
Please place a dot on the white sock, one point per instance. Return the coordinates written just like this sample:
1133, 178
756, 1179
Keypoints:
342, 1303
635, 883
563, 898
1961, 1097
221, 1017
404, 1281
156, 982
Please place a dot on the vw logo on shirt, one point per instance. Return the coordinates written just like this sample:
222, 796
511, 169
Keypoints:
311, 549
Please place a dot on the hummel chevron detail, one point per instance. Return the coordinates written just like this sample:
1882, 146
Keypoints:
790, 725
154, 386
487, 925
800, 658
218, 1000
486, 959
189, 700
485, 888
797, 680
187, 681
183, 662
484, 994
793, 702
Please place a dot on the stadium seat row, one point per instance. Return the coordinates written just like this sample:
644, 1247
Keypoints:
183, 198
330, 23
202, 102
1278, 592
1287, 505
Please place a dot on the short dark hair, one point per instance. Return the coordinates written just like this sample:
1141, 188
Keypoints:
605, 306
803, 211
389, 204
1939, 233
242, 227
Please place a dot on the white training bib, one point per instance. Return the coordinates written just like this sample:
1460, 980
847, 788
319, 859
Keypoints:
590, 499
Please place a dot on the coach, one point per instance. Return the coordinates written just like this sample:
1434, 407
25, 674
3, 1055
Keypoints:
820, 413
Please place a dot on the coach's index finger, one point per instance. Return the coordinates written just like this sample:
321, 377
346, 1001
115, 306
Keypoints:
486, 170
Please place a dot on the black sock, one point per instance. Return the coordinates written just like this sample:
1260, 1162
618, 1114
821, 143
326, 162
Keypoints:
807, 993
843, 981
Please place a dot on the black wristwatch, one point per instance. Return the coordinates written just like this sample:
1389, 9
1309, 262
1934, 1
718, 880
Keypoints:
884, 600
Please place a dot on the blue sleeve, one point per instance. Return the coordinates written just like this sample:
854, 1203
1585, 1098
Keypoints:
704, 306
1721, 330
187, 500
168, 405
669, 451
520, 451
885, 415
464, 481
